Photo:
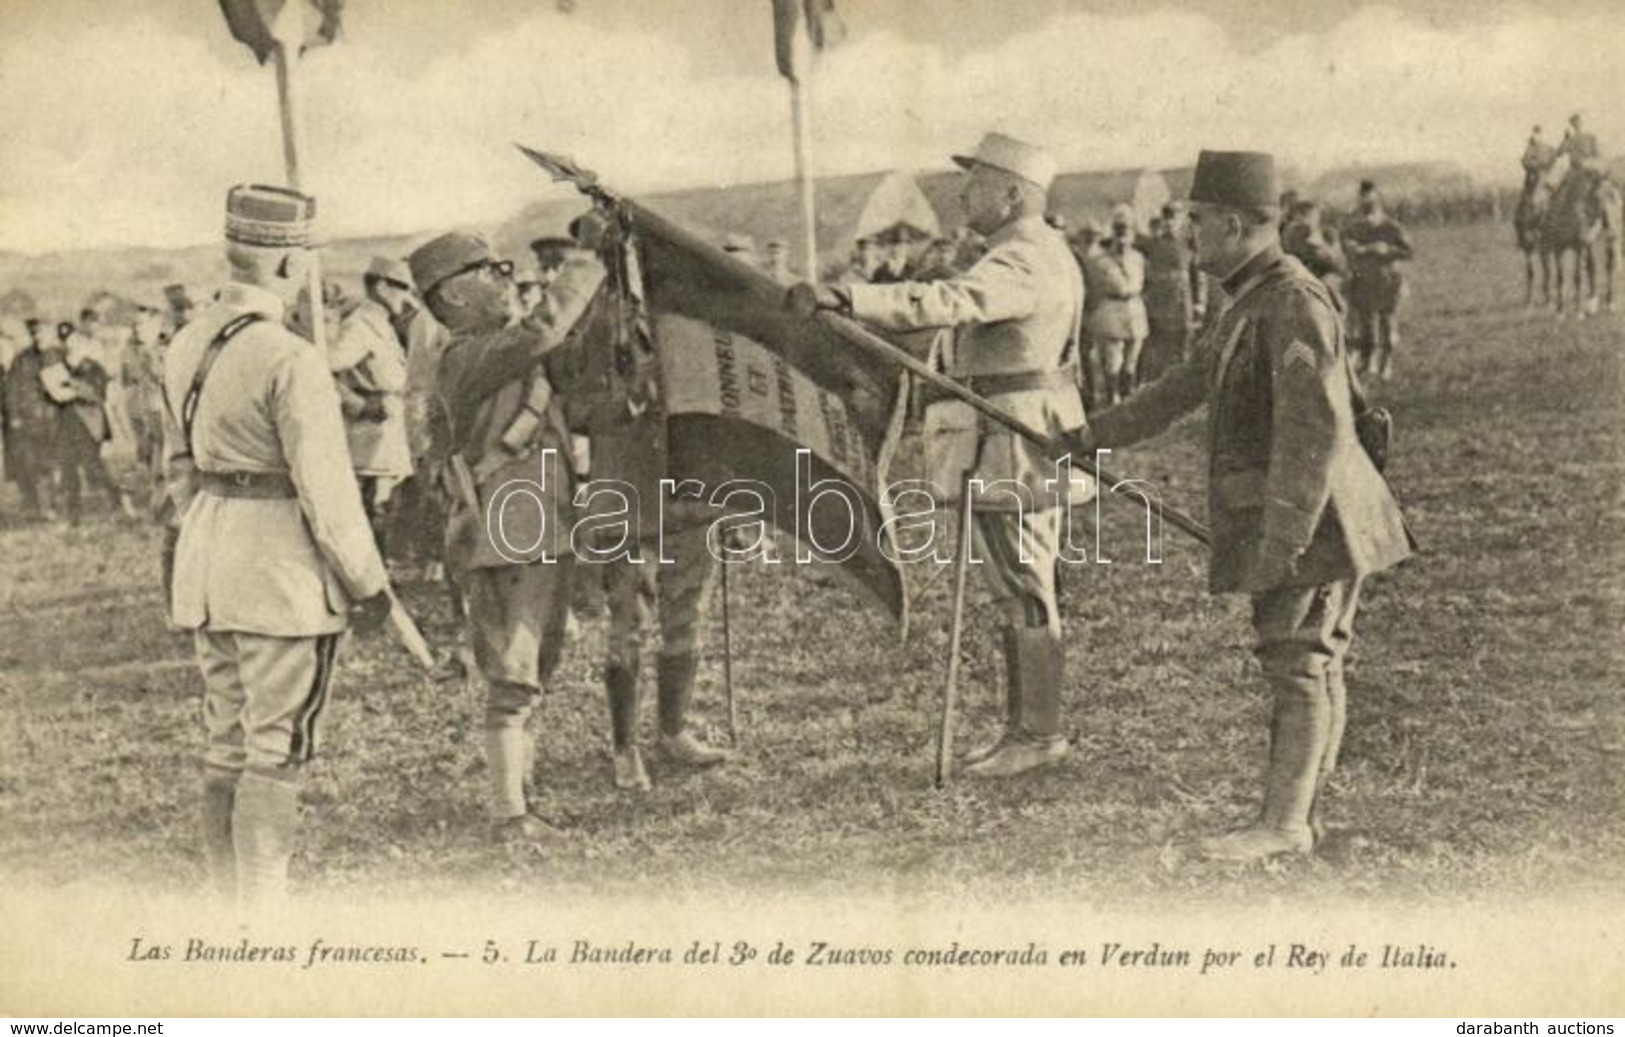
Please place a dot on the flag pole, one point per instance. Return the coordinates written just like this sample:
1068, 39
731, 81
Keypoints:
801, 123
286, 56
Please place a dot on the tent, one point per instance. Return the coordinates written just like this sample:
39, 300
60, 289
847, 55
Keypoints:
1076, 197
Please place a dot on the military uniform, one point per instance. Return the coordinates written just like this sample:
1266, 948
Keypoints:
30, 417
1375, 246
1117, 320
1169, 302
1015, 316
508, 539
369, 366
273, 549
1300, 516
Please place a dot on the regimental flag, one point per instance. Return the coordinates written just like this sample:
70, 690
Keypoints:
259, 24
802, 28
751, 396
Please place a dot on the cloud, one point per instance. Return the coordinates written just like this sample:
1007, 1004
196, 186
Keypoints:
131, 133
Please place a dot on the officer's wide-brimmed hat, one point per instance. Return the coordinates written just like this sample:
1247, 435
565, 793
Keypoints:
1028, 161
388, 268
1237, 179
270, 217
447, 256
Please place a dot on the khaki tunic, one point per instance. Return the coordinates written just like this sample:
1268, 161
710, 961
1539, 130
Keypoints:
282, 567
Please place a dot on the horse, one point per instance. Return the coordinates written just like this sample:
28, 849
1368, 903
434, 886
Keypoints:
1527, 221
1575, 223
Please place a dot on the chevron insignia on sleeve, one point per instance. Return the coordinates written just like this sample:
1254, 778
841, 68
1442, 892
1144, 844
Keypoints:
1298, 353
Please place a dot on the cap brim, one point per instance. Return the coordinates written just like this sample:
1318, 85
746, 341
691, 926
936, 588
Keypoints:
963, 161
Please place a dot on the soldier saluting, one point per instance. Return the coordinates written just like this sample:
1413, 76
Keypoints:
509, 538
274, 556
1300, 514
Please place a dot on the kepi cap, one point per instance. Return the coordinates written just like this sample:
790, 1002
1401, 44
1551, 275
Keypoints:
1028, 161
445, 256
1238, 179
269, 217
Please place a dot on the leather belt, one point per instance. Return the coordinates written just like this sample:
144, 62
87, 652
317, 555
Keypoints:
1014, 381
248, 485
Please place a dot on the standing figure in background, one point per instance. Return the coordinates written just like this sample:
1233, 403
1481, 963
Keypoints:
368, 362
83, 428
1375, 246
1117, 318
1170, 306
30, 421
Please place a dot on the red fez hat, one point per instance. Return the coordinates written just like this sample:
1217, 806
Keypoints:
1236, 179
269, 217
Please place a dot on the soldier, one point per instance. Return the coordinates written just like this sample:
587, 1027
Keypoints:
180, 307
1305, 240
368, 362
1375, 246
30, 419
274, 558
509, 535
1015, 316
1169, 304
1117, 319
83, 426
1300, 515
1538, 157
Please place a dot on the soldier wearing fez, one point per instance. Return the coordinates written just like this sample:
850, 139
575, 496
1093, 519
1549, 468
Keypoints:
508, 539
1015, 317
274, 558
1300, 514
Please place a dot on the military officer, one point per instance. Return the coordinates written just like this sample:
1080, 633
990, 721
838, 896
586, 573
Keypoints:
368, 361
508, 540
1300, 515
1375, 245
1016, 318
274, 556
1116, 319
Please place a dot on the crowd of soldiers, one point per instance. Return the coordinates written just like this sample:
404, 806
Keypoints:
458, 374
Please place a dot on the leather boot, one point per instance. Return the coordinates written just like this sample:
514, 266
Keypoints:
1034, 740
264, 818
219, 854
1012, 698
621, 684
507, 756
675, 684
1299, 737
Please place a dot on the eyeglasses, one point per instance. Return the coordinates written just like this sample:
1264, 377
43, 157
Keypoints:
500, 269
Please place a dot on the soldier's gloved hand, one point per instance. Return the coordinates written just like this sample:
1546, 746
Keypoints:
368, 615
590, 229
1079, 443
805, 300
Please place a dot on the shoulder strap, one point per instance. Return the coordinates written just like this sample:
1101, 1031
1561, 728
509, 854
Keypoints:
205, 364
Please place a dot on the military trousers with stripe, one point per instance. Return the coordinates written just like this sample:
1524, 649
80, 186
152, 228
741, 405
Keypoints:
263, 697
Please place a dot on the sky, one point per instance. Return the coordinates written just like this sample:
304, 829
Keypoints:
126, 122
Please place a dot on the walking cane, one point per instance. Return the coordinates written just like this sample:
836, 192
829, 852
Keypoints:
945, 732
727, 661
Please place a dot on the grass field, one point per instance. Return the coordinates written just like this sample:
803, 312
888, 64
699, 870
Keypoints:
1485, 753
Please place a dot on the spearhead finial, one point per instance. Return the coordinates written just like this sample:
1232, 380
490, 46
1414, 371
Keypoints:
563, 168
